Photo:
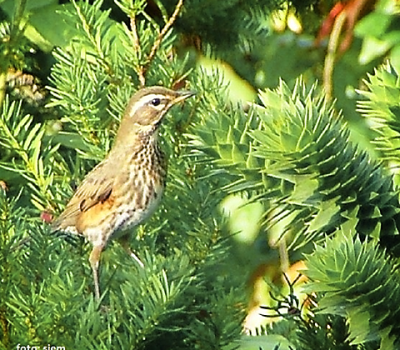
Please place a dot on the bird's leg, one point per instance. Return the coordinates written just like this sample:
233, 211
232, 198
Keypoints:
94, 260
125, 244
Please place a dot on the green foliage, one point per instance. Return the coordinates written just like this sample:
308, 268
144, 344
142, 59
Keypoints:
25, 159
47, 295
301, 157
294, 153
381, 109
331, 201
326, 332
217, 17
222, 136
167, 302
358, 281
380, 33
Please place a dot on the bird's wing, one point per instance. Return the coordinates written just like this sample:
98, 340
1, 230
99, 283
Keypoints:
95, 188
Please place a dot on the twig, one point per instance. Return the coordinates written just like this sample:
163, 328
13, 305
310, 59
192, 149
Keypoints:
3, 86
15, 32
161, 36
136, 46
331, 54
17, 17
136, 42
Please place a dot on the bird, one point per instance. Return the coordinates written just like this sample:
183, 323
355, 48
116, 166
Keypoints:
125, 188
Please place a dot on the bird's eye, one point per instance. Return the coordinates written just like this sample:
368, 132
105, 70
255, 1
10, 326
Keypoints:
155, 102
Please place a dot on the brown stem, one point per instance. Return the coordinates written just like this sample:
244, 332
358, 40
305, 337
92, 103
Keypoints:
161, 36
3, 86
331, 54
136, 46
15, 32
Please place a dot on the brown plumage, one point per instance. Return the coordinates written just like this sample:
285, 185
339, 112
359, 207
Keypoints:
126, 187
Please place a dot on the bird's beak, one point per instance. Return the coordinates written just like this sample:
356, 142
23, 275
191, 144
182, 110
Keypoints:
183, 95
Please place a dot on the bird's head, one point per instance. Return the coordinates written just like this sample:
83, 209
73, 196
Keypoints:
148, 106
145, 111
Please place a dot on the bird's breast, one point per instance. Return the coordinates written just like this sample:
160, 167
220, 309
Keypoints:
136, 192
140, 189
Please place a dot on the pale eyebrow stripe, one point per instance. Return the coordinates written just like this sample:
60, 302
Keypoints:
145, 100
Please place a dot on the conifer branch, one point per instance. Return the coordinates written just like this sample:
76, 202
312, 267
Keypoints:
136, 45
164, 31
160, 37
11, 41
136, 41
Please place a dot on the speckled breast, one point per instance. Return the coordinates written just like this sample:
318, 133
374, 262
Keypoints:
142, 188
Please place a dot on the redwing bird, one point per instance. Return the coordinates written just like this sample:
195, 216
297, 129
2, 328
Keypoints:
126, 187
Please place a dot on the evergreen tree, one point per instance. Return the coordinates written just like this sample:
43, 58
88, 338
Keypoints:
332, 198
